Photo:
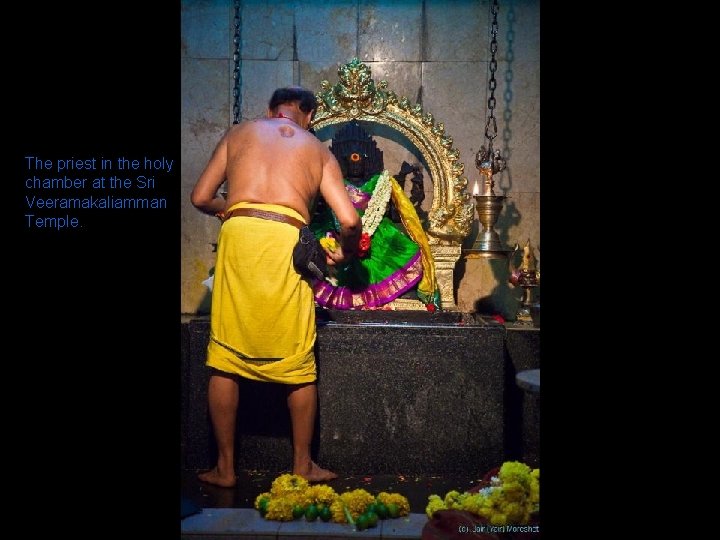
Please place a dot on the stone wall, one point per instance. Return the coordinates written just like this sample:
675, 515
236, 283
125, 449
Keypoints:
435, 53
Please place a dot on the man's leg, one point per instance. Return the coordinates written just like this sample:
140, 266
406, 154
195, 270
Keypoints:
302, 402
223, 396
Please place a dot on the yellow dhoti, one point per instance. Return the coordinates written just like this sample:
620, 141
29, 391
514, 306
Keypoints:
262, 318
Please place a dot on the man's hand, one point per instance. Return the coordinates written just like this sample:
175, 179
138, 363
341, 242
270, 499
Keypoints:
334, 257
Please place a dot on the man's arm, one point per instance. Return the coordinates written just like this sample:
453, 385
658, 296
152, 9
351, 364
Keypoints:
336, 196
204, 195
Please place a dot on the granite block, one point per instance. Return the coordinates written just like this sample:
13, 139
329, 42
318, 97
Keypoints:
312, 74
267, 30
462, 113
199, 444
457, 34
403, 78
428, 394
522, 408
389, 31
205, 93
430, 397
205, 30
267, 76
332, 40
523, 347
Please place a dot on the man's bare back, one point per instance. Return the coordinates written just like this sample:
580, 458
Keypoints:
274, 161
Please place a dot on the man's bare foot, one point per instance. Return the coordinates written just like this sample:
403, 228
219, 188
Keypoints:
214, 477
316, 473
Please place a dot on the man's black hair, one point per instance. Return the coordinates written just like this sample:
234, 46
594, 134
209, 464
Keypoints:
290, 94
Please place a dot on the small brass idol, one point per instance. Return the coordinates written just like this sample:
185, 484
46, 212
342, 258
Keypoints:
526, 276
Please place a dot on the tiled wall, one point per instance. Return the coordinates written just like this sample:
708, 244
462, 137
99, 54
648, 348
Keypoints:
434, 52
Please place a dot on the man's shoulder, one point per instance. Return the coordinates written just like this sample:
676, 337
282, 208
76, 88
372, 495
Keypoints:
245, 125
243, 129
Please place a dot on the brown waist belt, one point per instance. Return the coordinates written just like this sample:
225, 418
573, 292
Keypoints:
264, 214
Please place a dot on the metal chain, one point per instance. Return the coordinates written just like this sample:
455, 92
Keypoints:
236, 72
491, 124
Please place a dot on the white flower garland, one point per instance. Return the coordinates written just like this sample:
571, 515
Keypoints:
378, 204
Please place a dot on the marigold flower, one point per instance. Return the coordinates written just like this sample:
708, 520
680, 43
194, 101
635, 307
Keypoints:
514, 471
321, 493
435, 503
289, 490
511, 498
452, 500
337, 509
401, 501
356, 501
280, 509
498, 519
513, 491
287, 484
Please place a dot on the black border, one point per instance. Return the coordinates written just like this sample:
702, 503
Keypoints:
94, 311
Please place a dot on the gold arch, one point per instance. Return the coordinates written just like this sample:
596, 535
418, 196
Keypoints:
357, 97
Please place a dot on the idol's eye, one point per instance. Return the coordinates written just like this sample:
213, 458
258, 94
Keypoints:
354, 156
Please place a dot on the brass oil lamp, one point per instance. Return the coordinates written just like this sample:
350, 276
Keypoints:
488, 161
526, 276
488, 206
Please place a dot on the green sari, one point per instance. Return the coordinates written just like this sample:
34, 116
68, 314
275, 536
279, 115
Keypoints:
392, 266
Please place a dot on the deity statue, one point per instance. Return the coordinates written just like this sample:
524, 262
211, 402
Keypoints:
394, 258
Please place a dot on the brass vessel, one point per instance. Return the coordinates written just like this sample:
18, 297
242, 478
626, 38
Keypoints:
488, 206
526, 276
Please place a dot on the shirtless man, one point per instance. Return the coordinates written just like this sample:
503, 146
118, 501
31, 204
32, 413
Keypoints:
262, 319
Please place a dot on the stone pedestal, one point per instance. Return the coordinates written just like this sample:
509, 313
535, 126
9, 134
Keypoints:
412, 393
522, 410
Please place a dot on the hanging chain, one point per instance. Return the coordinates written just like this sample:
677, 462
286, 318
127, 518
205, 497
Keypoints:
236, 73
487, 160
491, 124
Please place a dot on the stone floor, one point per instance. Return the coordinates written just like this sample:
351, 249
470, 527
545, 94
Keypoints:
228, 513
243, 523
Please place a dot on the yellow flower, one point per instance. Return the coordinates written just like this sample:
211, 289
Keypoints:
287, 484
514, 471
337, 511
329, 243
473, 503
356, 501
512, 498
402, 503
321, 493
516, 512
289, 490
280, 509
452, 500
435, 503
513, 491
